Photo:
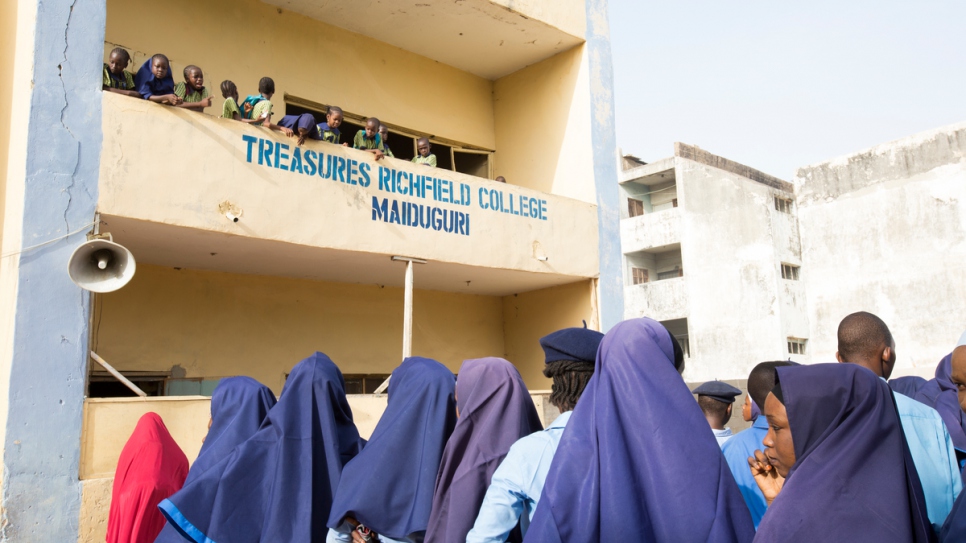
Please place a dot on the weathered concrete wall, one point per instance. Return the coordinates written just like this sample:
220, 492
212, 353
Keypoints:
54, 194
884, 230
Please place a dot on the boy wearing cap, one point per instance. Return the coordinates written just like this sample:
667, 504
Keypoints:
517, 484
716, 399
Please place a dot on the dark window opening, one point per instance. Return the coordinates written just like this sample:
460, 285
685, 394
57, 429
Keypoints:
477, 164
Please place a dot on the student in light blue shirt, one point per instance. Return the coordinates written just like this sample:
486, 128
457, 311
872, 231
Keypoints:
865, 340
517, 484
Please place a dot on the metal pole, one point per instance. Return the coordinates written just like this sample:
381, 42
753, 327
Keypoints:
407, 349
118, 375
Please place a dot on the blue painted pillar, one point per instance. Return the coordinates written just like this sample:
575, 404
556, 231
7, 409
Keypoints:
604, 137
41, 491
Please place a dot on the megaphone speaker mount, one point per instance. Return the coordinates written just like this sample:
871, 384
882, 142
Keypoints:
100, 265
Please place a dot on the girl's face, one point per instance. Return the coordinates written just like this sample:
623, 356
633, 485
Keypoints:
334, 120
779, 447
746, 409
159, 68
196, 79
116, 63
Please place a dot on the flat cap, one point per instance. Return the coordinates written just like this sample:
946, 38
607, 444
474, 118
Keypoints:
579, 344
723, 392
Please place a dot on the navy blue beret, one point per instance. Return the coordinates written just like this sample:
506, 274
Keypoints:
578, 344
723, 392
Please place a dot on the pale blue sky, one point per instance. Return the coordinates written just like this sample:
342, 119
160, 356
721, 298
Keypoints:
780, 84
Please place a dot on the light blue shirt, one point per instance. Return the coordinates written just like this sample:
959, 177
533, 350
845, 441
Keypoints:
517, 484
934, 456
722, 435
736, 452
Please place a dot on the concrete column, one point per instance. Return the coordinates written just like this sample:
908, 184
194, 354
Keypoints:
50, 191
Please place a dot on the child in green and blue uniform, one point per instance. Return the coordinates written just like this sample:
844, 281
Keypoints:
369, 139
230, 93
258, 109
424, 156
192, 90
305, 127
384, 134
116, 77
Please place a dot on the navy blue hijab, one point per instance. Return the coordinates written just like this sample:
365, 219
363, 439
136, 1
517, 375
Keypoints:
853, 478
636, 461
908, 385
277, 485
954, 530
940, 394
238, 407
148, 85
389, 486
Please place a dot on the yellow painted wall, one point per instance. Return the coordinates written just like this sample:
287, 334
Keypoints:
8, 43
567, 15
243, 40
219, 324
532, 315
543, 132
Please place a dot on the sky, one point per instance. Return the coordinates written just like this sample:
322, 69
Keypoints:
781, 85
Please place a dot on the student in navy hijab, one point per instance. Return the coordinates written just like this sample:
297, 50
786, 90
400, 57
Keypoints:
636, 462
940, 394
834, 435
238, 407
154, 82
495, 410
907, 386
389, 486
955, 527
277, 485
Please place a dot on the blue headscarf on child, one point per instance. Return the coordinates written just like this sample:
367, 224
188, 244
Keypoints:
637, 461
238, 407
148, 85
389, 486
277, 485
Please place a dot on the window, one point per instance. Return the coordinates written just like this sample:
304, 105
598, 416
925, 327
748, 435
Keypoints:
670, 274
790, 271
685, 345
635, 208
783, 204
363, 384
796, 345
638, 276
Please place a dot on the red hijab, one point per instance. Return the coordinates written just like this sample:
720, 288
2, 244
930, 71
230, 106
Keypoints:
151, 468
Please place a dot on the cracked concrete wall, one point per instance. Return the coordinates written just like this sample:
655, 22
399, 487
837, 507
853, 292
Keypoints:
884, 230
58, 188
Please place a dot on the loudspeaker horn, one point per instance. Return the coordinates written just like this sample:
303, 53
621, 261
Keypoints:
100, 265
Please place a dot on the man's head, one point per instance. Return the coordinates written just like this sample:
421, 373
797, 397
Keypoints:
763, 378
118, 60
159, 66
716, 400
372, 127
333, 117
500, 179
423, 146
865, 340
570, 356
266, 87
959, 370
193, 77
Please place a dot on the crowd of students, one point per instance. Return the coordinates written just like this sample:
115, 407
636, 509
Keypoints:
840, 454
153, 81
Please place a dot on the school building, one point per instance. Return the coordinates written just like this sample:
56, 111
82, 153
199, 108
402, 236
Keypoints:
252, 252
743, 267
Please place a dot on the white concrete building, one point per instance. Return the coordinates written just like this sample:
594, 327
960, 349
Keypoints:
705, 243
743, 267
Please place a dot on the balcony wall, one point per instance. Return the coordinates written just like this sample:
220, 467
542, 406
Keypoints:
170, 175
651, 230
659, 300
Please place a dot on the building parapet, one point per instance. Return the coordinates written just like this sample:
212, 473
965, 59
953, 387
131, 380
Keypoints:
659, 300
697, 154
651, 230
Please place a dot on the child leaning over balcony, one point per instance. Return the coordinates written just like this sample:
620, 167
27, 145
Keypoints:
116, 77
258, 108
154, 82
424, 156
230, 93
192, 90
304, 126
369, 139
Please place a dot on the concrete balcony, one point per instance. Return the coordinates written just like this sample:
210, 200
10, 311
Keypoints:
169, 178
659, 300
651, 230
